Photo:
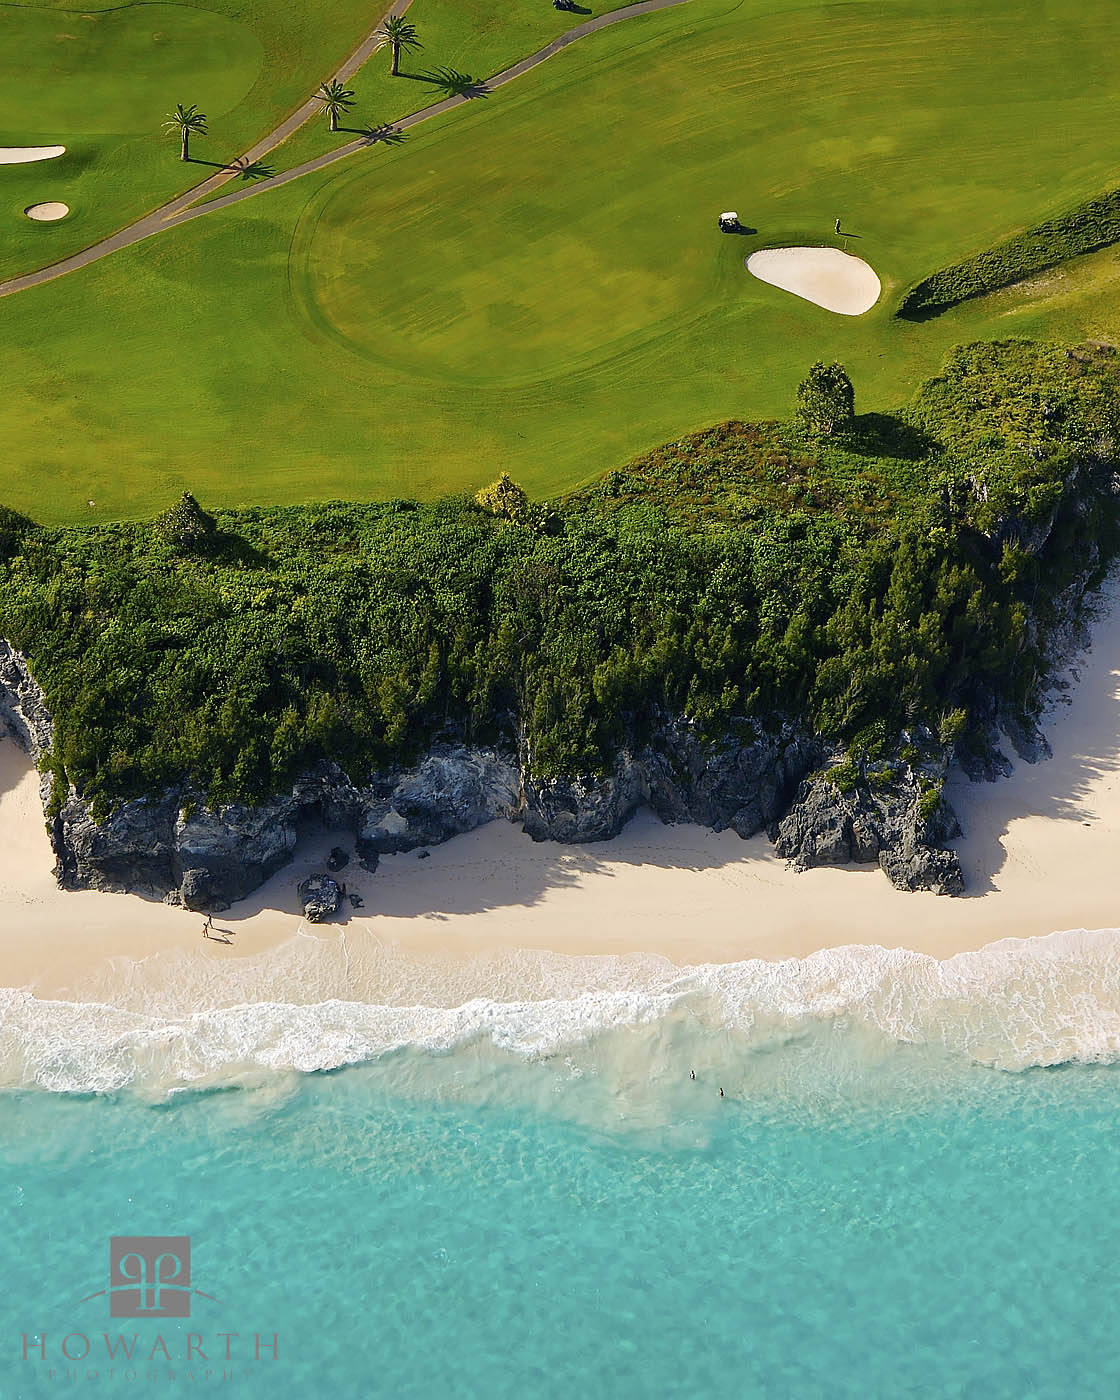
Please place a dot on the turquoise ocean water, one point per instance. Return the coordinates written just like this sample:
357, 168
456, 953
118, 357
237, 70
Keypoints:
911, 1186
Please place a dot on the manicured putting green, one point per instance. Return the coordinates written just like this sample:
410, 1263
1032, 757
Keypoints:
536, 282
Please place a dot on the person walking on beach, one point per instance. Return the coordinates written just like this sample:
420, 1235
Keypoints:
208, 924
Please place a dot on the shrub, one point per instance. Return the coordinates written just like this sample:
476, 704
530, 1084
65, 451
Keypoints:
952, 726
929, 802
826, 401
505, 499
186, 525
360, 633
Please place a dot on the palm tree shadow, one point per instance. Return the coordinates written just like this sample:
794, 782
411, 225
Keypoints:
245, 169
455, 84
386, 134
253, 169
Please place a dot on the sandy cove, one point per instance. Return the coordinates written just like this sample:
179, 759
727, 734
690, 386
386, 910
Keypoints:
1038, 855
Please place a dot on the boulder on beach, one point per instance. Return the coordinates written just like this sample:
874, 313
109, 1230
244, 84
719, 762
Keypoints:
320, 897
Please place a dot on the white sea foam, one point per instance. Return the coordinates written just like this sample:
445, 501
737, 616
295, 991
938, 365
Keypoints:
1014, 1004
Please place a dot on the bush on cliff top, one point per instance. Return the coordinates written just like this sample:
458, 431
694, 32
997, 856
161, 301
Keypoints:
751, 570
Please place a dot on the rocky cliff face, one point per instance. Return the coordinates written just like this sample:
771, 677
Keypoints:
743, 783
898, 820
23, 711
174, 846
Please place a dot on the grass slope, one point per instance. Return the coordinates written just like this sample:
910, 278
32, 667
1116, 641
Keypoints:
102, 81
536, 282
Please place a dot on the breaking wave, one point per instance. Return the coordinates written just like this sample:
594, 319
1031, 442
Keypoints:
319, 1005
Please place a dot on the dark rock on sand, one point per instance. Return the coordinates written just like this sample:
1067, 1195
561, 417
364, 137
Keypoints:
320, 897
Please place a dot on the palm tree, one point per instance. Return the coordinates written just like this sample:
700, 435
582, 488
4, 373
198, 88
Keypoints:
336, 100
399, 34
188, 122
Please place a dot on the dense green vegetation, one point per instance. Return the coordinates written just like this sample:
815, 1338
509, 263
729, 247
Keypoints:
535, 282
1091, 225
897, 572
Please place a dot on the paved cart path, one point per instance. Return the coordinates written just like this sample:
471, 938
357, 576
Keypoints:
184, 207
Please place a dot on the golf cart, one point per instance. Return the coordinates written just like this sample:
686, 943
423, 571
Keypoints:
729, 222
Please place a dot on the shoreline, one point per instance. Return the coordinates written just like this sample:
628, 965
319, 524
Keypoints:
1037, 855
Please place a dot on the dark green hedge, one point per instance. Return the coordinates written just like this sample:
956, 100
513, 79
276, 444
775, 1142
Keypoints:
1092, 225
884, 577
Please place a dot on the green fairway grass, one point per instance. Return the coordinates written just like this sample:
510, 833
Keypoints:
474, 37
102, 81
536, 283
111, 70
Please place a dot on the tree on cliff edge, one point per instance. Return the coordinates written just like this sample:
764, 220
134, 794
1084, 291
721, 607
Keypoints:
186, 525
504, 498
826, 400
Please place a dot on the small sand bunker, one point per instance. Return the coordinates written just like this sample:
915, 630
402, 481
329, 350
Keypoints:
24, 155
837, 281
47, 213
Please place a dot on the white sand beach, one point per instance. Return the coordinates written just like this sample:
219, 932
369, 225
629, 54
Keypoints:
1038, 855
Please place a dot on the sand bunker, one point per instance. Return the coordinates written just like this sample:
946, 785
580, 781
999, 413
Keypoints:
47, 213
837, 281
24, 155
